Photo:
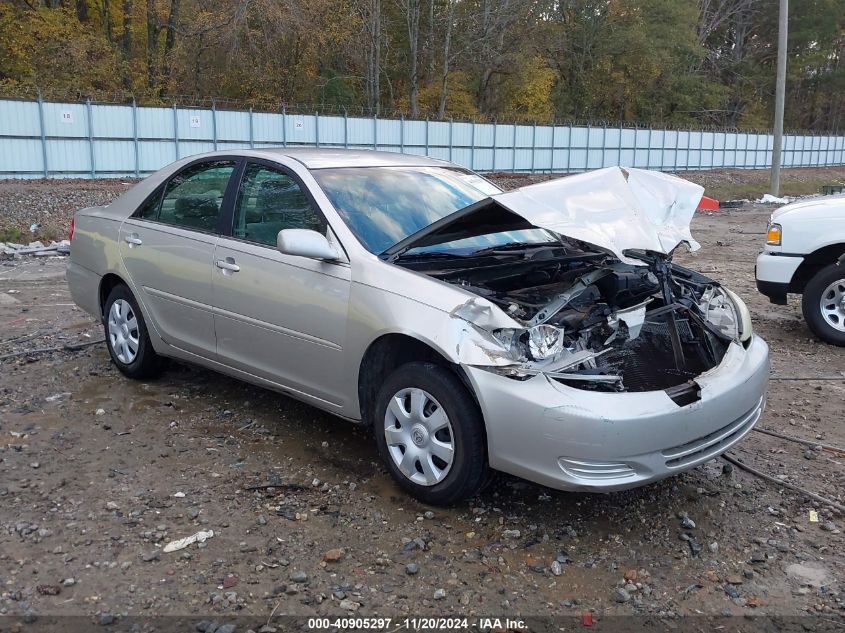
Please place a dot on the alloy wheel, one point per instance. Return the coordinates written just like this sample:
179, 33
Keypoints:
832, 305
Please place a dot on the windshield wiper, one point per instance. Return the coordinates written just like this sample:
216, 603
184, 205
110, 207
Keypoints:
429, 255
513, 246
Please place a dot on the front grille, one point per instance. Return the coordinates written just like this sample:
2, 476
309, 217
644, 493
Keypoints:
583, 469
714, 443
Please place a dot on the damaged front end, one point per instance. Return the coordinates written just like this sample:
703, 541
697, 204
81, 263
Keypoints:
601, 315
592, 322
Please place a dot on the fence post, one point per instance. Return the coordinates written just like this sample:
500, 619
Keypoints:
701, 147
648, 151
135, 137
176, 131
426, 136
402, 133
317, 128
533, 145
619, 151
214, 123
677, 145
826, 148
375, 133
89, 121
43, 135
345, 128
603, 141
284, 127
495, 134
472, 146
450, 139
662, 149
513, 155
251, 131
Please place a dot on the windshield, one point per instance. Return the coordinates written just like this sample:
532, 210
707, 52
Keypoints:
384, 205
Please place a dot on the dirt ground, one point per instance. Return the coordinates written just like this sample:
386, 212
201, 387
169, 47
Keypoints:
98, 473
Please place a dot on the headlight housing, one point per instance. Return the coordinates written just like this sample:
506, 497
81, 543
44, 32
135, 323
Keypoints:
774, 234
743, 314
540, 342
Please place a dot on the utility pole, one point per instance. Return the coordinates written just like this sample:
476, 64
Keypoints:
780, 94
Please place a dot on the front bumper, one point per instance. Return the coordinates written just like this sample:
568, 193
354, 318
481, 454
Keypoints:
774, 273
571, 439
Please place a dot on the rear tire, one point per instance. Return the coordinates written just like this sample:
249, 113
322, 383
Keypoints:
430, 434
126, 336
823, 304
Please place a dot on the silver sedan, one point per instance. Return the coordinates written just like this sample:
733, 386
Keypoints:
543, 332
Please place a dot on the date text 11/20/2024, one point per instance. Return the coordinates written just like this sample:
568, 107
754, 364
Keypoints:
416, 624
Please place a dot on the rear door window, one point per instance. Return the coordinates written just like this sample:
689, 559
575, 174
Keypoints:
194, 197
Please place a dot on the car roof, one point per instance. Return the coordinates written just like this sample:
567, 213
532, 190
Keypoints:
325, 158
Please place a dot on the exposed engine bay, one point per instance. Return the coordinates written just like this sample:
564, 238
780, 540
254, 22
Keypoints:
594, 322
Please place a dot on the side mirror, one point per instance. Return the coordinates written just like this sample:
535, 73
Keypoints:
306, 243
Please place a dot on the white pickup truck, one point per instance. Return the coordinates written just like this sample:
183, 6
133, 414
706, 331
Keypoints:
805, 254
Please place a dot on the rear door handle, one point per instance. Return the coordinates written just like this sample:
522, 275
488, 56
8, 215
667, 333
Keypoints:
227, 265
133, 240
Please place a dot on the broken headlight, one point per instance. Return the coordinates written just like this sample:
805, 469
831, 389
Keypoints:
540, 342
727, 312
743, 314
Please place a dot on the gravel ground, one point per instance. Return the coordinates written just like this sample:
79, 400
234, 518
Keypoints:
98, 473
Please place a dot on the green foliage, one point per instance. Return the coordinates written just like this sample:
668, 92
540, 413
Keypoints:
677, 62
11, 234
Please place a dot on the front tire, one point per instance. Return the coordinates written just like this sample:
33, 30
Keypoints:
823, 304
126, 336
430, 434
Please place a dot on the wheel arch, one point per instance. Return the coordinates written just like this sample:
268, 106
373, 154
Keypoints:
390, 351
814, 262
108, 283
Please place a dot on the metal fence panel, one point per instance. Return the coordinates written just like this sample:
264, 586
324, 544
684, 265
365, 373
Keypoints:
45, 139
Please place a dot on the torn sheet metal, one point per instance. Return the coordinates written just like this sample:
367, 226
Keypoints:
615, 208
471, 327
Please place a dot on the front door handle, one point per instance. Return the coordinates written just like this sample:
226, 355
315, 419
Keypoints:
133, 240
227, 265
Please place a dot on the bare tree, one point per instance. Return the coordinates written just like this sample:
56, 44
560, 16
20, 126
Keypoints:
447, 52
370, 12
153, 30
82, 10
411, 10
493, 47
126, 44
169, 43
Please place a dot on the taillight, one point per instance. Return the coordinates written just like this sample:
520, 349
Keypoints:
72, 227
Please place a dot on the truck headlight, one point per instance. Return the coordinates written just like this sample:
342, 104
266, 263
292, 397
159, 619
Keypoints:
774, 234
540, 342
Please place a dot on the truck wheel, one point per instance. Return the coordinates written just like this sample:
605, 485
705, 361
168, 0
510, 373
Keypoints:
126, 336
430, 434
823, 304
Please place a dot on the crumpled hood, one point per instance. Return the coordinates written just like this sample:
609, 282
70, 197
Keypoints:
615, 209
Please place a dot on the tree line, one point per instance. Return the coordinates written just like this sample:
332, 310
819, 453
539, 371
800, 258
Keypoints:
668, 62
